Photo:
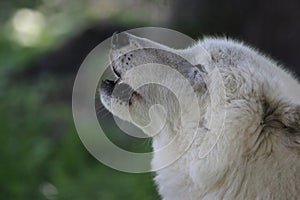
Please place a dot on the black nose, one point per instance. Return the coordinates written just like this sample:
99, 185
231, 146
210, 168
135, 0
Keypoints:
119, 40
107, 87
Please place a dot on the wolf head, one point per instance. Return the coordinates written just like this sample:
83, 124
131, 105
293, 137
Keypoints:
154, 85
224, 76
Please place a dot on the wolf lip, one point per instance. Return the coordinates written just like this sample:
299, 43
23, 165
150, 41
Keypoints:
107, 86
118, 74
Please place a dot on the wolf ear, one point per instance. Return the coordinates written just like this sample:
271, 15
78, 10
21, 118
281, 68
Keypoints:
197, 55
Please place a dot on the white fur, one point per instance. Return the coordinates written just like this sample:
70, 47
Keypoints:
257, 156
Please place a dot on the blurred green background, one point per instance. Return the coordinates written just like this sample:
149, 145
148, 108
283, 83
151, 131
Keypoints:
42, 44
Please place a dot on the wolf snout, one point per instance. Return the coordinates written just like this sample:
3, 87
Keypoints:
120, 58
119, 40
122, 64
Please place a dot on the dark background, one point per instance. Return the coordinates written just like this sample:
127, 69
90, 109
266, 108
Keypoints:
43, 43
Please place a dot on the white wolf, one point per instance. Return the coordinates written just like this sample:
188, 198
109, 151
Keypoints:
257, 156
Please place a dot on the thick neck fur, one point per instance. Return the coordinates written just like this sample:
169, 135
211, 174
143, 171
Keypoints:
257, 154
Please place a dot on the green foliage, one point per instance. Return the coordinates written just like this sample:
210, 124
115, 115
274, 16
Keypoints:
42, 156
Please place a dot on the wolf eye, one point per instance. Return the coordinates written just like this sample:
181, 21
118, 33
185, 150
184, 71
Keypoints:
195, 73
130, 102
131, 99
134, 96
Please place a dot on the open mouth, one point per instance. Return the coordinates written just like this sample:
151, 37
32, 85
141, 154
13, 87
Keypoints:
115, 89
107, 87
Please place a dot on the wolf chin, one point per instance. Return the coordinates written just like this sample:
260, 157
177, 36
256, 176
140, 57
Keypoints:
257, 154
